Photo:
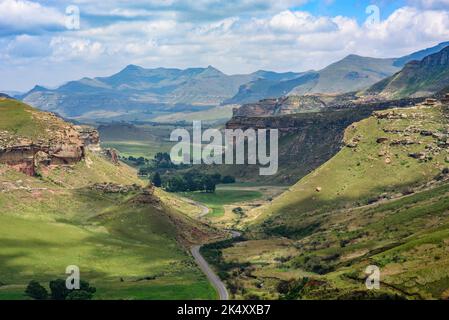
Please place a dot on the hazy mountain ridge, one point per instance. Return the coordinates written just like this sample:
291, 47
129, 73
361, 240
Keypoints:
417, 78
353, 73
136, 88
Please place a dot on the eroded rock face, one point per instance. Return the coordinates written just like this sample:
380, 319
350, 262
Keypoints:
64, 144
90, 138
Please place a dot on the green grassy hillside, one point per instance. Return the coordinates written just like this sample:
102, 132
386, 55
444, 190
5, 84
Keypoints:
372, 204
407, 238
377, 160
127, 244
17, 117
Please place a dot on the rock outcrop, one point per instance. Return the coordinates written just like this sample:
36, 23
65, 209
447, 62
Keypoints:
318, 103
57, 143
90, 138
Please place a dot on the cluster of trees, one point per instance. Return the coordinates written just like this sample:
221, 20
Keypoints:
161, 162
140, 161
190, 181
59, 291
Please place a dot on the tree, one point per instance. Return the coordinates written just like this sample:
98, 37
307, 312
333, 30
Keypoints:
228, 180
35, 291
86, 292
216, 177
176, 184
58, 289
209, 185
157, 181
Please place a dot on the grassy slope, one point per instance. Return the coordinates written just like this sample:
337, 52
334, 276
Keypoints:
51, 222
50, 227
356, 176
335, 233
16, 117
422, 78
407, 237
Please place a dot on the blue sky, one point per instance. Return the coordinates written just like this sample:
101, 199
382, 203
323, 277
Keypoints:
235, 36
349, 8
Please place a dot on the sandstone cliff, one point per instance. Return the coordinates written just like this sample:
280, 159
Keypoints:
30, 139
307, 140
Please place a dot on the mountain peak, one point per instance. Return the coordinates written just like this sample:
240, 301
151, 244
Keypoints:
132, 67
352, 57
39, 88
211, 71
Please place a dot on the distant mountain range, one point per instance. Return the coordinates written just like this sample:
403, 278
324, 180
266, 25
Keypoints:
352, 73
136, 90
139, 89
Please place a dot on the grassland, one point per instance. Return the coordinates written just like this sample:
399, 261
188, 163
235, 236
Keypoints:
137, 140
216, 201
216, 114
372, 204
117, 244
128, 245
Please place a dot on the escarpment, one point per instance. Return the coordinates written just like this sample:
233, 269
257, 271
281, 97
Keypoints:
306, 139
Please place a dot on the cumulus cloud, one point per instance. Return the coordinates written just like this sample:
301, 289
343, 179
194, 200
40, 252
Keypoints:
301, 22
22, 16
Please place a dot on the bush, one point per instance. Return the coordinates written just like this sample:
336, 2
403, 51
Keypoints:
157, 181
86, 292
228, 180
58, 289
35, 291
292, 289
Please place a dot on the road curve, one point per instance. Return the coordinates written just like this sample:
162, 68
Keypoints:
210, 274
202, 263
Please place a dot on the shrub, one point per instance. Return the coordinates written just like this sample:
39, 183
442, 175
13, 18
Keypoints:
58, 289
35, 291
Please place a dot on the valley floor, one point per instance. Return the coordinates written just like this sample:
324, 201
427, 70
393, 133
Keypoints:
126, 245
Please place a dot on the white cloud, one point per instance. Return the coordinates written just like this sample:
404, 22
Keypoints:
66, 48
301, 22
17, 16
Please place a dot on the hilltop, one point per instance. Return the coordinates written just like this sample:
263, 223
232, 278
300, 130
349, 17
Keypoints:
129, 239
